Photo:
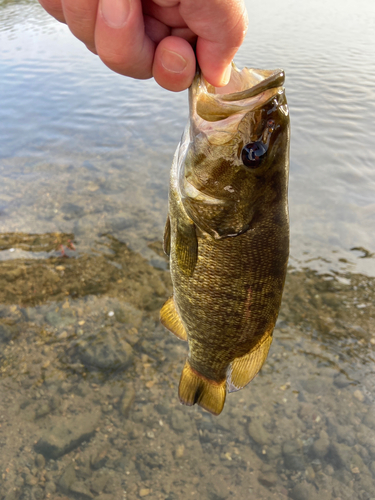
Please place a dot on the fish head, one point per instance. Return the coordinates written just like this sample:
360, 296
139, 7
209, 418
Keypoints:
235, 162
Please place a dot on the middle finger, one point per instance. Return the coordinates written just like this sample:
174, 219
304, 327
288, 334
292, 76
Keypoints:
80, 16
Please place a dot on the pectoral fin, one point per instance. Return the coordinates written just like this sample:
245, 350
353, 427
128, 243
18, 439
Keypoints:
170, 318
186, 247
167, 237
242, 370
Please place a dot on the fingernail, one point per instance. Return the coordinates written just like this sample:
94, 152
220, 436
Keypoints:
173, 62
115, 12
226, 76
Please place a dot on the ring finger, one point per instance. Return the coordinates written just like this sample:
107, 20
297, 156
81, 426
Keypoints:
80, 16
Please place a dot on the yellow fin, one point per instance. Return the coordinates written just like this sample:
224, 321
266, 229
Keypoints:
167, 237
186, 247
196, 389
242, 370
170, 318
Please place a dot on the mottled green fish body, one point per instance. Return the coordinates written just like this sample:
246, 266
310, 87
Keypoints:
227, 233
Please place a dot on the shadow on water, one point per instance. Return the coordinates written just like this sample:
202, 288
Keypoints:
89, 386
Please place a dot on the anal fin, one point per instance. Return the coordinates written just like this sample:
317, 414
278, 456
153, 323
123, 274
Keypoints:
196, 389
242, 370
170, 318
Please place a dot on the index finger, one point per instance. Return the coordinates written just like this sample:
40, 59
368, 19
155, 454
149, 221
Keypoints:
221, 26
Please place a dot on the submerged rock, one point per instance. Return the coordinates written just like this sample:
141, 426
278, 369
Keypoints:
293, 456
81, 491
126, 313
7, 333
341, 381
312, 385
65, 435
68, 478
341, 455
268, 479
304, 491
127, 399
321, 446
258, 433
104, 350
60, 319
180, 422
369, 419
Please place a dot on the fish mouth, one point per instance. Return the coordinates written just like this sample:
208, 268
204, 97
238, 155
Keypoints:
247, 90
247, 83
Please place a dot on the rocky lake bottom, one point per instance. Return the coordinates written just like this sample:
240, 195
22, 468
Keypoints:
89, 378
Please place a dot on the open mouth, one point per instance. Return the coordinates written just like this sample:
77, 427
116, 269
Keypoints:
245, 91
248, 83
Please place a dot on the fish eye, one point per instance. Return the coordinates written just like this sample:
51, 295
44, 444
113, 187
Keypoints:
253, 154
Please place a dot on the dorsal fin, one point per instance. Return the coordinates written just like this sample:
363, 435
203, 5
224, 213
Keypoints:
242, 370
170, 318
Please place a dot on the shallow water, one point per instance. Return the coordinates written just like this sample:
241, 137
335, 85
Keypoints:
88, 377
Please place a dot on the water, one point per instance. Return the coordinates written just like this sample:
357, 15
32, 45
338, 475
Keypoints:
88, 377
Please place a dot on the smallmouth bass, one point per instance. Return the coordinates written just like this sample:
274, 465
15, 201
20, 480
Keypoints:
227, 232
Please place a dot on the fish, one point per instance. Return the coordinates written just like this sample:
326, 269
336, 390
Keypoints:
227, 232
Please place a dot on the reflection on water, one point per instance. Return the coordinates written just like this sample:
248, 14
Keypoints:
88, 377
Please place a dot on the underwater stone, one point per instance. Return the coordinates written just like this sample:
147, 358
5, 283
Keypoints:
369, 419
60, 320
40, 461
341, 381
65, 435
68, 478
6, 333
321, 446
293, 456
341, 454
50, 487
126, 313
303, 491
127, 399
267, 479
104, 351
81, 490
312, 385
99, 483
258, 433
180, 422
359, 395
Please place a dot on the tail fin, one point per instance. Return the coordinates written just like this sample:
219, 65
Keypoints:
194, 388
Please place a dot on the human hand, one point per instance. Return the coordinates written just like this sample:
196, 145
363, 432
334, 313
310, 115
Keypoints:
145, 38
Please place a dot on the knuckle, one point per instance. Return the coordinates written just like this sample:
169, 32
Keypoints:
239, 31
